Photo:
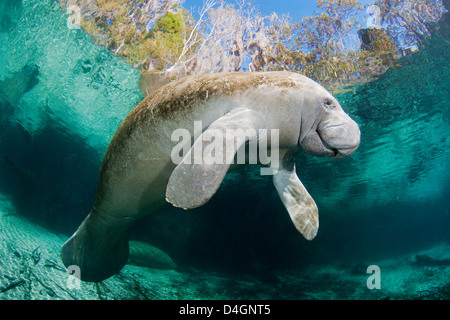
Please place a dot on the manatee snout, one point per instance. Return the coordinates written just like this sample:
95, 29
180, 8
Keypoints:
337, 139
343, 138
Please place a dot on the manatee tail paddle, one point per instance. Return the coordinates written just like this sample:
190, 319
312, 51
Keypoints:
99, 249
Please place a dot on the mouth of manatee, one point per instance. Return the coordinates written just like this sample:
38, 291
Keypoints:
336, 152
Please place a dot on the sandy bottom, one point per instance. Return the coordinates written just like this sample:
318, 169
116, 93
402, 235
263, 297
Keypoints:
31, 269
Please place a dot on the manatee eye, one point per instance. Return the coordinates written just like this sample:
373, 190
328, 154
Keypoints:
328, 103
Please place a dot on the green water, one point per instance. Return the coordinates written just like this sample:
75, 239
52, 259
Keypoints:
61, 100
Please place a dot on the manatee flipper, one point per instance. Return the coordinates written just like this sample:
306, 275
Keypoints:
99, 247
193, 182
298, 202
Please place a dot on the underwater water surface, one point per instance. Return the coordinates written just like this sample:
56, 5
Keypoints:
61, 101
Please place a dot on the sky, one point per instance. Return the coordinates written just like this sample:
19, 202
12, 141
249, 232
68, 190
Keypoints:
295, 8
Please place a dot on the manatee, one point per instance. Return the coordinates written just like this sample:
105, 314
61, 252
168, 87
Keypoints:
145, 255
138, 175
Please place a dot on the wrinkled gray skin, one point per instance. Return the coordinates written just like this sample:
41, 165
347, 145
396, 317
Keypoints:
138, 176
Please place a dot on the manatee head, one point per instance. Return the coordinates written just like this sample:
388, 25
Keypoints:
326, 130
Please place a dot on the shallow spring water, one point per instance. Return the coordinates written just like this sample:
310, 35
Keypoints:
62, 98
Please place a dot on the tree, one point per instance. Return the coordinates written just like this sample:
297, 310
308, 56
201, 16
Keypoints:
163, 44
226, 38
125, 27
322, 36
162, 37
409, 21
